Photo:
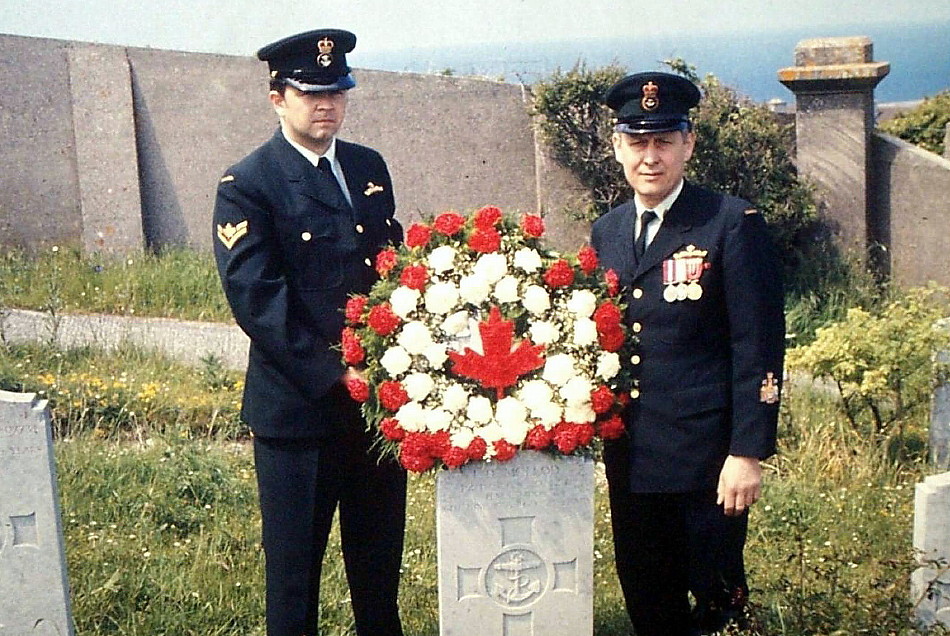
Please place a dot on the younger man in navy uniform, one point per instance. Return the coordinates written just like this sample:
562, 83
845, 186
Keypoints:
297, 225
705, 300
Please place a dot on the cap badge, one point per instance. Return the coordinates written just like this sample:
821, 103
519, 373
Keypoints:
651, 99
325, 58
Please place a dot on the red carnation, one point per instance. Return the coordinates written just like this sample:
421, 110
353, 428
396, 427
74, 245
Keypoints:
477, 448
382, 320
448, 223
587, 257
611, 339
607, 316
414, 277
623, 398
455, 457
485, 240
358, 389
390, 428
585, 433
439, 443
612, 428
560, 274
353, 352
504, 450
539, 438
392, 395
354, 309
601, 399
414, 453
487, 217
532, 225
385, 261
613, 282
566, 437
418, 235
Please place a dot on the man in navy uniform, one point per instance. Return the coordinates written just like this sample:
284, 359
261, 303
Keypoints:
703, 286
297, 224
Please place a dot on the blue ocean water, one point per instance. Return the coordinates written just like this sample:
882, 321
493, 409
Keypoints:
919, 56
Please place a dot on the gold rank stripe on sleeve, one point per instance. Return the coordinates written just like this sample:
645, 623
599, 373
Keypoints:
229, 234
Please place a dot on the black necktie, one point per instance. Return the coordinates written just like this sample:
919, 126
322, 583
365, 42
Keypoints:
641, 245
324, 166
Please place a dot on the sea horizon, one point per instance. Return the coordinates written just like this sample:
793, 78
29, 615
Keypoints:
919, 56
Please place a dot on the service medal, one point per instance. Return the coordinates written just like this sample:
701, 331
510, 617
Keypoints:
669, 294
694, 291
680, 291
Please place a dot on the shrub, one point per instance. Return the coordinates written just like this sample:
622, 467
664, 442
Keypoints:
881, 363
925, 125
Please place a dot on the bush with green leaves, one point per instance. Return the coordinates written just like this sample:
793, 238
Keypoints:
882, 362
925, 125
741, 148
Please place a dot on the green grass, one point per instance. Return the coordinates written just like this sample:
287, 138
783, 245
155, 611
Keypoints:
162, 537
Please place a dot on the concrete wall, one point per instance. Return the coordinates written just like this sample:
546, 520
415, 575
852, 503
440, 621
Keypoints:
910, 207
114, 148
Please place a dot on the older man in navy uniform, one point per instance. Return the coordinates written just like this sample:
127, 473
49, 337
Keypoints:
297, 224
705, 300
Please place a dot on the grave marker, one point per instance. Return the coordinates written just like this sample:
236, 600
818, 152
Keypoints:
930, 583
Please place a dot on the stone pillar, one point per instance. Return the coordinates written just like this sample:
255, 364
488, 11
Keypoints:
930, 583
833, 80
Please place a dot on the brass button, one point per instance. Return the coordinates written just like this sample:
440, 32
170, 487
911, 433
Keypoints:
637, 327
359, 228
635, 393
389, 222
368, 262
306, 236
637, 293
634, 359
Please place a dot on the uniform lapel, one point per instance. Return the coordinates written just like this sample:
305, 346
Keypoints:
672, 235
306, 178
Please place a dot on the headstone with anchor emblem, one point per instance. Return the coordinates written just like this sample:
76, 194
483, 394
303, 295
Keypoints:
34, 592
515, 543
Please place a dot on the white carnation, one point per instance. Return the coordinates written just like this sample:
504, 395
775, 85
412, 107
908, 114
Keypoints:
536, 299
454, 398
435, 355
491, 267
479, 410
608, 365
580, 414
442, 259
491, 433
544, 332
558, 369
456, 323
474, 289
510, 411
415, 337
585, 332
576, 391
438, 420
549, 414
418, 386
536, 394
582, 302
441, 298
527, 260
462, 437
396, 361
515, 432
404, 301
412, 417
506, 290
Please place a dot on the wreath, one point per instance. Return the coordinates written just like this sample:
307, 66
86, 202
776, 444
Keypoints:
477, 342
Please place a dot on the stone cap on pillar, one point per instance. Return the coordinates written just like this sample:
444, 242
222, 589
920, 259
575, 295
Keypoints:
834, 64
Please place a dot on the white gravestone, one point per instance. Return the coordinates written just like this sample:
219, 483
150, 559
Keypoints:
34, 592
516, 547
930, 584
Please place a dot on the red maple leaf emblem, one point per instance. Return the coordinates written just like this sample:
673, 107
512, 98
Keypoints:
503, 362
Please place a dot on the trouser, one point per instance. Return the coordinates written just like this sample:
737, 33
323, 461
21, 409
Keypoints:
301, 483
668, 545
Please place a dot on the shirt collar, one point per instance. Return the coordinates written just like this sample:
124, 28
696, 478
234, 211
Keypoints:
310, 155
663, 206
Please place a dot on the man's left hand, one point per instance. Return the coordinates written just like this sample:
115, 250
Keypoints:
740, 484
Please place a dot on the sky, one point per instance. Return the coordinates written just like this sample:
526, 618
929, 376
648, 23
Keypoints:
240, 27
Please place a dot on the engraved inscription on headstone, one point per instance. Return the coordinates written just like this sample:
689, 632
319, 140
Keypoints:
34, 593
930, 583
516, 547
